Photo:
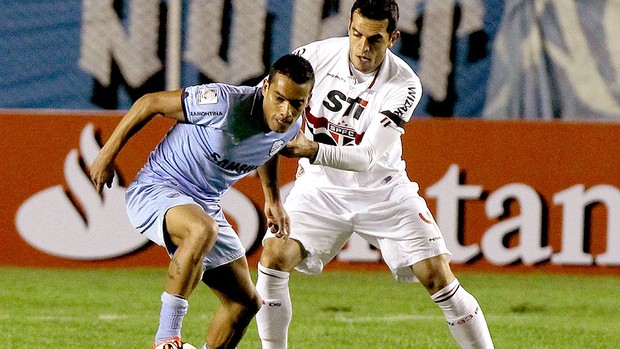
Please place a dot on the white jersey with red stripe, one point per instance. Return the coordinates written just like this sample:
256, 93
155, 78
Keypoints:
341, 110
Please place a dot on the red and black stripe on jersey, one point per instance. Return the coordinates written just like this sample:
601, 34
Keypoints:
391, 117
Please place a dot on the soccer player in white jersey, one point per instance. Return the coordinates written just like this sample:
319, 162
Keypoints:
351, 178
222, 133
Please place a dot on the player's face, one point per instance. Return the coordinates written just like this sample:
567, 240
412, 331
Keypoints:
284, 101
369, 41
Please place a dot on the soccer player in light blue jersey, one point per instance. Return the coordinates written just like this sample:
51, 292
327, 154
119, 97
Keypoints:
222, 133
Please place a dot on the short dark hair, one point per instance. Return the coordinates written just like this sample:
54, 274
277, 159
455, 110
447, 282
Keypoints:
295, 67
378, 10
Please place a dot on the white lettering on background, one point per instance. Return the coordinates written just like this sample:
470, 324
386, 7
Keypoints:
449, 192
528, 225
104, 38
575, 201
245, 46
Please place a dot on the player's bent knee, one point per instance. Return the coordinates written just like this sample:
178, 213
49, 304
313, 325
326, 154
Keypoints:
434, 273
202, 235
281, 255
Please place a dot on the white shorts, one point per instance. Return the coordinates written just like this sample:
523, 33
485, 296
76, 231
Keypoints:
397, 221
147, 204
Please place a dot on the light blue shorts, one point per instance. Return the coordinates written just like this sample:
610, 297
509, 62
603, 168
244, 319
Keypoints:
147, 204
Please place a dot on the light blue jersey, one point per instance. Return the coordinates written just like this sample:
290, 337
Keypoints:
223, 139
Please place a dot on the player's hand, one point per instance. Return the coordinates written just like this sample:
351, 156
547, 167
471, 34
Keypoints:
101, 172
300, 147
278, 221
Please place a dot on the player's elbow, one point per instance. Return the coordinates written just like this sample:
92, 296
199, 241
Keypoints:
146, 104
364, 162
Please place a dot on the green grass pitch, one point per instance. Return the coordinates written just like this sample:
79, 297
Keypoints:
119, 308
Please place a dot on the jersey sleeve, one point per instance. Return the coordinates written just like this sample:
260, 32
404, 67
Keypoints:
400, 102
205, 104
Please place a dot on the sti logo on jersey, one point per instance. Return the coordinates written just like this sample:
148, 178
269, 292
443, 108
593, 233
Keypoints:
335, 99
208, 95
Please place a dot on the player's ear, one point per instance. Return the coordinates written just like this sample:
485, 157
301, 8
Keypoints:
265, 86
394, 37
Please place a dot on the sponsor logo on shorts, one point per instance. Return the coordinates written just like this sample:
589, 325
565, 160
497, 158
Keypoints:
427, 220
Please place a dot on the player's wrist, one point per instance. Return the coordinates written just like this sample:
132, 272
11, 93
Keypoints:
312, 151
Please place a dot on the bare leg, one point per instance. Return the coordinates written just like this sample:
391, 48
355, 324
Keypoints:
282, 255
434, 273
194, 233
232, 284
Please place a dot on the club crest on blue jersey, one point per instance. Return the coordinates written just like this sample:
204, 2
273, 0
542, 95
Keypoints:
275, 147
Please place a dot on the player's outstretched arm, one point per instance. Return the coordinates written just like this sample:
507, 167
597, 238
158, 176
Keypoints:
377, 140
277, 219
167, 103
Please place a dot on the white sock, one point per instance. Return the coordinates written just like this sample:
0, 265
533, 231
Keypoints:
464, 316
173, 310
275, 315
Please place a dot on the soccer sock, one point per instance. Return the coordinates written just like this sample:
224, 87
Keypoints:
464, 316
173, 309
275, 315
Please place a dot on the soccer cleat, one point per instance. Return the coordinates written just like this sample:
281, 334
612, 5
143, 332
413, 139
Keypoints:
173, 343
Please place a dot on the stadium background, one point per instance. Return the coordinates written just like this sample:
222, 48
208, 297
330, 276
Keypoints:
69, 68
493, 58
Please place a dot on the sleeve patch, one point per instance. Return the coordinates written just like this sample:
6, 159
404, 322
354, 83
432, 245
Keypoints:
208, 95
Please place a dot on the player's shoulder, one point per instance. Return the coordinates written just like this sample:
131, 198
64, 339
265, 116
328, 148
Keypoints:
338, 42
217, 93
400, 71
335, 42
228, 90
209, 104
322, 50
